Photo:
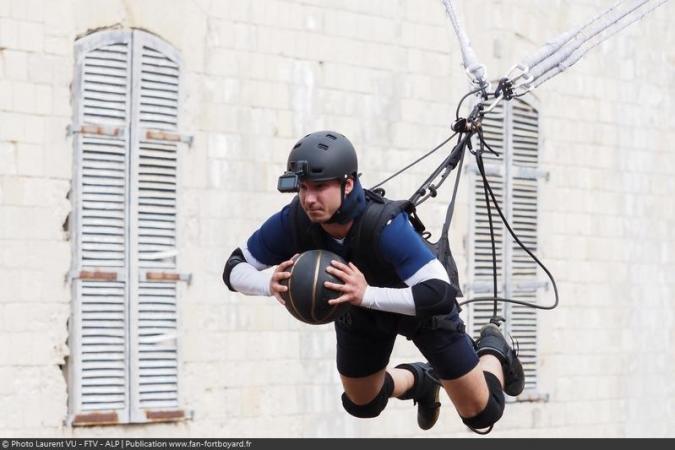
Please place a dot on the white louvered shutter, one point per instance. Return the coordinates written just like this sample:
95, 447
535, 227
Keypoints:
512, 130
523, 283
124, 366
155, 143
98, 367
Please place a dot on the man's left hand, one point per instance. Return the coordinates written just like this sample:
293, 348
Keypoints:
354, 283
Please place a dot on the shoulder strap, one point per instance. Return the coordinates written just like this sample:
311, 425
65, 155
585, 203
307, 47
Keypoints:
379, 211
375, 219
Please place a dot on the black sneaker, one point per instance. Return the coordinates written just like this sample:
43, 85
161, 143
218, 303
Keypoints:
424, 393
492, 342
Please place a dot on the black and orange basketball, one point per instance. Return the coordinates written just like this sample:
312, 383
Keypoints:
307, 297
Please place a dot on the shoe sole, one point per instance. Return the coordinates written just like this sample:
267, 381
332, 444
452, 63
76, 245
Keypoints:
514, 388
511, 387
438, 411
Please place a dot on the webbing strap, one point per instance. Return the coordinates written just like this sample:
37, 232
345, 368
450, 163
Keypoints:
451, 207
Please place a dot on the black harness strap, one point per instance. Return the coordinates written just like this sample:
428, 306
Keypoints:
365, 235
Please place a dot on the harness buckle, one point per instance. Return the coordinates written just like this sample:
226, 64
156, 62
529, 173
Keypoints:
444, 323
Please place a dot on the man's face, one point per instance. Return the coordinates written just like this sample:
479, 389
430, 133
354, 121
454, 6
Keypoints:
321, 199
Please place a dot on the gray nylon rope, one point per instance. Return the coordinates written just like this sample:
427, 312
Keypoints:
580, 52
557, 54
585, 35
553, 45
469, 57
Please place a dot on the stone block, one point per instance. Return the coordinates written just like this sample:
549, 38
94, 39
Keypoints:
15, 64
57, 45
31, 36
29, 159
41, 67
8, 157
9, 33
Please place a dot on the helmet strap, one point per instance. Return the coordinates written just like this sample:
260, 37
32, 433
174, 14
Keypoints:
336, 217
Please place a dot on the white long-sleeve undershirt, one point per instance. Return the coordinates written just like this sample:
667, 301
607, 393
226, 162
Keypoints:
400, 300
245, 278
251, 278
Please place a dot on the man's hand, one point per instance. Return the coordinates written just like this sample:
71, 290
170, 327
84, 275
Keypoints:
354, 286
280, 273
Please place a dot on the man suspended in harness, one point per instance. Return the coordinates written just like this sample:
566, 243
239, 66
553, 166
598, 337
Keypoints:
395, 285
396, 282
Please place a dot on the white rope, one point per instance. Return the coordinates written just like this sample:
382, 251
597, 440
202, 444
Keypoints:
582, 37
473, 67
579, 52
553, 45
558, 54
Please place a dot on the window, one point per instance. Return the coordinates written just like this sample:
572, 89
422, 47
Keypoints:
123, 366
512, 129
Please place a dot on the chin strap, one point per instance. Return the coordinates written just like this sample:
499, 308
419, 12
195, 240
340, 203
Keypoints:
337, 217
350, 204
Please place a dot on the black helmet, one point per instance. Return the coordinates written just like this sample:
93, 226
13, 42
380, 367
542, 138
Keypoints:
319, 156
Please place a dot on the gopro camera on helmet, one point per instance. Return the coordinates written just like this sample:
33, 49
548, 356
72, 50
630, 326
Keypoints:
290, 180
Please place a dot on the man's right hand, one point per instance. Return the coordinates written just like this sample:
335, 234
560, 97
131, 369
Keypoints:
280, 274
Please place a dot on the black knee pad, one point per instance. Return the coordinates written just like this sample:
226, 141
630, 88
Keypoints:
376, 405
493, 410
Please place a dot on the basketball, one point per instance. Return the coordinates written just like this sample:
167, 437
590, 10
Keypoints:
307, 297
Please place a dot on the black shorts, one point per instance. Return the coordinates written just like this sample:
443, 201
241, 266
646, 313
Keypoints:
365, 339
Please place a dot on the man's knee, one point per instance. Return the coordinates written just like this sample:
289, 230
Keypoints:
493, 410
375, 406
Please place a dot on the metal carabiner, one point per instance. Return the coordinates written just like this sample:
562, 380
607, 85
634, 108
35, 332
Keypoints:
492, 106
524, 71
525, 84
474, 80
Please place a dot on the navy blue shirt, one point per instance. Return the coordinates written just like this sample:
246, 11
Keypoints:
399, 244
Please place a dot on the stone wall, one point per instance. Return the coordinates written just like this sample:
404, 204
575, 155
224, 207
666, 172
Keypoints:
258, 75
